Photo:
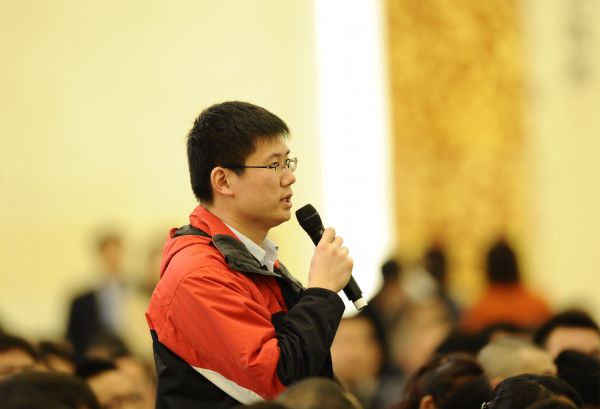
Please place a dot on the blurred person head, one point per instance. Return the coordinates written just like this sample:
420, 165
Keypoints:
110, 249
435, 263
572, 329
242, 125
46, 390
447, 382
424, 326
521, 391
106, 345
57, 356
317, 393
582, 372
391, 271
142, 374
508, 357
501, 264
357, 355
112, 387
17, 355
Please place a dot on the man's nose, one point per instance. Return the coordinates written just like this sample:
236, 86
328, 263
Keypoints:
288, 178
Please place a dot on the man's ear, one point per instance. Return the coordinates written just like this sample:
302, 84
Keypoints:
427, 402
220, 181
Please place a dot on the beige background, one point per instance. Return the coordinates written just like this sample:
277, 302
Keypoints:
96, 99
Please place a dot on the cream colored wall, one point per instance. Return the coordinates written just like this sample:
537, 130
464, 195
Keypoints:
96, 99
562, 42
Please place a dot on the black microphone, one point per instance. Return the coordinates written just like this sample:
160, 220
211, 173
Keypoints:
311, 222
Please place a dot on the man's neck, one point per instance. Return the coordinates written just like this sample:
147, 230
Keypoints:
257, 235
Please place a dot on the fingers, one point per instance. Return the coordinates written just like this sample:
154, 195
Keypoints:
328, 235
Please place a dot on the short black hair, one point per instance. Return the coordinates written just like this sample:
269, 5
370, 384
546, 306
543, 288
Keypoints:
63, 350
391, 270
10, 342
521, 391
453, 381
225, 135
29, 389
582, 372
570, 318
92, 367
501, 263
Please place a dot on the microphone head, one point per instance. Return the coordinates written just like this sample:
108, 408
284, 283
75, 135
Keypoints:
310, 221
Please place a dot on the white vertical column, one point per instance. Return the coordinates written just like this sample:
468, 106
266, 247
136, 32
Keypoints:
353, 131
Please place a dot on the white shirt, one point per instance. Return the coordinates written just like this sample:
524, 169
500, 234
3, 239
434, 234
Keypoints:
266, 253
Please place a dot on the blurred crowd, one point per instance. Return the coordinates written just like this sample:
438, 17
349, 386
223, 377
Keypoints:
412, 347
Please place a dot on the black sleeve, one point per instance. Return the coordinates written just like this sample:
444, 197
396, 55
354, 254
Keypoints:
305, 334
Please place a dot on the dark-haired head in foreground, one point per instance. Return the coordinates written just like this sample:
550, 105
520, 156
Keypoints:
521, 391
447, 382
582, 372
46, 389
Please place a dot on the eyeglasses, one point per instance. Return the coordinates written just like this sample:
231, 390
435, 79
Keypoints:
290, 164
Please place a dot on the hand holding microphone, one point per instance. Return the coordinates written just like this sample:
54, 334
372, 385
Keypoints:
331, 266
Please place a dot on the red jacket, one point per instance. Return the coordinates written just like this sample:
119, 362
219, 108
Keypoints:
226, 328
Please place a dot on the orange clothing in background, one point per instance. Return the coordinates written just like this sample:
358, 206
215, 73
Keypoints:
506, 303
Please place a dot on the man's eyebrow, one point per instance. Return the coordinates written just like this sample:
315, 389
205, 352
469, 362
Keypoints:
279, 155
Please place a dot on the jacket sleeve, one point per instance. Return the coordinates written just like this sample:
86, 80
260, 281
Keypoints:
218, 321
306, 334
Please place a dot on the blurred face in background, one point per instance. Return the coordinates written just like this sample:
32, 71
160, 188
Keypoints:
585, 340
114, 390
112, 256
356, 354
16, 360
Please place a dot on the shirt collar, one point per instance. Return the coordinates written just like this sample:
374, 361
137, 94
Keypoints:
266, 253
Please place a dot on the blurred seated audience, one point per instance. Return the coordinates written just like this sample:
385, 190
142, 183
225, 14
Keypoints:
522, 391
317, 393
447, 382
113, 388
57, 356
37, 390
508, 357
571, 329
17, 355
506, 299
582, 372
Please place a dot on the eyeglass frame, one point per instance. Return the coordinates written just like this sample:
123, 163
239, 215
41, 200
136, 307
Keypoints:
286, 163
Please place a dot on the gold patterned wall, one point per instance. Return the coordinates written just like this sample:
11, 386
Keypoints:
457, 92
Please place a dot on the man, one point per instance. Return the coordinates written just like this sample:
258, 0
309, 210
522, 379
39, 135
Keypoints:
229, 323
571, 329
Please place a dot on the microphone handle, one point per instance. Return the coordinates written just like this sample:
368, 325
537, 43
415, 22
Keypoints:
352, 290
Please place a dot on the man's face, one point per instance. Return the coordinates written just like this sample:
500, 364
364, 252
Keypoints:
14, 361
585, 340
116, 391
263, 196
355, 352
